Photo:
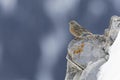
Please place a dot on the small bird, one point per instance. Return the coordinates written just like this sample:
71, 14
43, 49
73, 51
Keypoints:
77, 30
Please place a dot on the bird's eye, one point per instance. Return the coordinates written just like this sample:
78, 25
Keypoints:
71, 22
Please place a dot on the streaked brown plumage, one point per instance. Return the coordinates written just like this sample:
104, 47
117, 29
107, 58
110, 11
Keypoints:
77, 30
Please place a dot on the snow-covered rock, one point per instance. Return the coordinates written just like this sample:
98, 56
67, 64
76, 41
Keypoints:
86, 55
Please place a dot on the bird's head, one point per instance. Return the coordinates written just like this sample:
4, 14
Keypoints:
73, 23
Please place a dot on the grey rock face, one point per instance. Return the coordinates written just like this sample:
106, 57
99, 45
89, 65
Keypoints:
88, 53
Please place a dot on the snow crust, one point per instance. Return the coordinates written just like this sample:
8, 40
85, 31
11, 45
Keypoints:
111, 69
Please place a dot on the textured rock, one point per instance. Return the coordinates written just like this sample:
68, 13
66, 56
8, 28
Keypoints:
88, 53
